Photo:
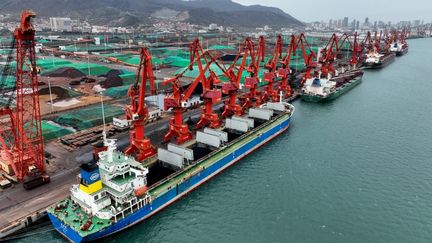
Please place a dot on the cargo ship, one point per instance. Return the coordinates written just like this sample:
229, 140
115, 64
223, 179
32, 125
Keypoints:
376, 60
399, 48
320, 89
118, 192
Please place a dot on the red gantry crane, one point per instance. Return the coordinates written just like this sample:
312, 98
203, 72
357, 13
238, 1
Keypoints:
210, 95
234, 74
270, 75
356, 50
137, 112
307, 58
284, 71
20, 128
328, 55
333, 49
177, 100
253, 97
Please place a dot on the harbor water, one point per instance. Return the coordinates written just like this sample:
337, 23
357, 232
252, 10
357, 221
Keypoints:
358, 169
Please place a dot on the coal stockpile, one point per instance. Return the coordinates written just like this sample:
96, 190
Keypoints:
60, 92
112, 73
111, 82
66, 72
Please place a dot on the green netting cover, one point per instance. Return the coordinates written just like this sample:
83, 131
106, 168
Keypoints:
117, 92
88, 117
8, 82
176, 61
195, 72
49, 63
87, 69
73, 48
51, 130
221, 47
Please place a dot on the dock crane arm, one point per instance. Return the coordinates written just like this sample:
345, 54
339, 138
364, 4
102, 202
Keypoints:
137, 111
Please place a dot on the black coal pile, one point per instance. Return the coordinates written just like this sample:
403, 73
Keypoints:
65, 72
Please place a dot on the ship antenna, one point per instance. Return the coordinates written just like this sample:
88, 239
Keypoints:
104, 137
280, 97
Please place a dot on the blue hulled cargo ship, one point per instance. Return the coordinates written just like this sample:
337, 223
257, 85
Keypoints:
118, 192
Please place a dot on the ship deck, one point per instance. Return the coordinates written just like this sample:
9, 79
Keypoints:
74, 217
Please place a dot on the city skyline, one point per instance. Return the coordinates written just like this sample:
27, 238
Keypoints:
385, 10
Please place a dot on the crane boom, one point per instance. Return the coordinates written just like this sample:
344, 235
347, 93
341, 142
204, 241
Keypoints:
137, 111
20, 128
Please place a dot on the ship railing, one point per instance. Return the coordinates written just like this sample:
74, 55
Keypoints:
132, 208
198, 162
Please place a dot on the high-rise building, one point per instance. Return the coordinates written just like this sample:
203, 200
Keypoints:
366, 23
345, 22
61, 24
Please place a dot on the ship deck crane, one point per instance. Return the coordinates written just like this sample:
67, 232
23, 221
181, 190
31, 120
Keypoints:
137, 112
20, 128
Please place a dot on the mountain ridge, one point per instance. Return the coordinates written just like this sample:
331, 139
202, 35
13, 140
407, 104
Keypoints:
134, 12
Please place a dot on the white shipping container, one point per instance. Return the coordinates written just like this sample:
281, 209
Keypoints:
185, 152
121, 123
156, 100
250, 122
208, 139
171, 158
260, 113
223, 136
277, 106
236, 125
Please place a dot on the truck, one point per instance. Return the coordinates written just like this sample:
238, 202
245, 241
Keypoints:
123, 124
35, 181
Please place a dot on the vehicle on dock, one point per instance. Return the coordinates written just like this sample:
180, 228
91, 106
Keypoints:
35, 181
320, 89
118, 192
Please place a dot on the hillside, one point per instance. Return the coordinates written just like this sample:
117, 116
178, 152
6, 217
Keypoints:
133, 12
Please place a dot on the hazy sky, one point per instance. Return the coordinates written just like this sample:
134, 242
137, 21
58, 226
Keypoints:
387, 10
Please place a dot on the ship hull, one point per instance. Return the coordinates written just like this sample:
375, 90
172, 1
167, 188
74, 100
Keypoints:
387, 59
402, 52
346, 87
258, 139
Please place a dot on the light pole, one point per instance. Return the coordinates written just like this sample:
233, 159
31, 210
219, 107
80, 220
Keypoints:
51, 99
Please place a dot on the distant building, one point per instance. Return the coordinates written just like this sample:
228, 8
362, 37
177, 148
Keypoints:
345, 22
61, 24
213, 27
366, 23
